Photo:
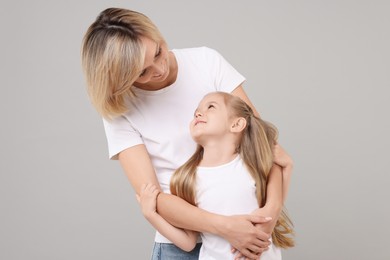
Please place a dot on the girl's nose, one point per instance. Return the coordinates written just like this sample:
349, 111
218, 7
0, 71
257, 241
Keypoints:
197, 114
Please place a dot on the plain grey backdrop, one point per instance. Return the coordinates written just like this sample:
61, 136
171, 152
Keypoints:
319, 70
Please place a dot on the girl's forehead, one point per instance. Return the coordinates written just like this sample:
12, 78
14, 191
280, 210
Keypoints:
213, 97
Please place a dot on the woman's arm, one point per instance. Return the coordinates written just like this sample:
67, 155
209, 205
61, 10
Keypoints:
274, 196
184, 239
238, 230
285, 161
276, 187
138, 167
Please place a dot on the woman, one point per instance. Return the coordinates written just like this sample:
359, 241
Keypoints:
146, 95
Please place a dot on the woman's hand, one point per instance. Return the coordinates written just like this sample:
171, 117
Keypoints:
265, 227
269, 226
281, 157
244, 236
148, 199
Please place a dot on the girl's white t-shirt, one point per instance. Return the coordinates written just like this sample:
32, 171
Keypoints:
228, 189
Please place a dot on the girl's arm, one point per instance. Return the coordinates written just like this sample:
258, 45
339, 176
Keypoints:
238, 230
185, 239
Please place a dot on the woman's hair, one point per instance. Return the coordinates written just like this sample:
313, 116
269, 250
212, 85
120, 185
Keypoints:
113, 57
256, 149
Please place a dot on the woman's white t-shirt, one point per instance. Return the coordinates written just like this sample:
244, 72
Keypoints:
160, 119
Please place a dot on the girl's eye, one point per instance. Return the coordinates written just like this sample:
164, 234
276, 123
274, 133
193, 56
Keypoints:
211, 106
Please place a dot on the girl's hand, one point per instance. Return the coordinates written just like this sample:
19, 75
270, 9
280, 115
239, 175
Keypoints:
148, 199
281, 157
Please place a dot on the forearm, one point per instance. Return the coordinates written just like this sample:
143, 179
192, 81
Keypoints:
274, 199
184, 239
285, 161
181, 214
287, 171
274, 196
239, 230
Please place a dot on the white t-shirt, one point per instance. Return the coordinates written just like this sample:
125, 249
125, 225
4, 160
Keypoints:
228, 189
160, 119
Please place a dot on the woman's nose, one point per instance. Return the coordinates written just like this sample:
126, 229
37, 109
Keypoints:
159, 68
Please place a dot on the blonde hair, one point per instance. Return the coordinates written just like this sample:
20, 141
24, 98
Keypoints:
113, 57
255, 148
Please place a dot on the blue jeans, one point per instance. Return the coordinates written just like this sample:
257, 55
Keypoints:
164, 251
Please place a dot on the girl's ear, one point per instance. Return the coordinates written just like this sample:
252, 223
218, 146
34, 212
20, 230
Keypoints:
238, 125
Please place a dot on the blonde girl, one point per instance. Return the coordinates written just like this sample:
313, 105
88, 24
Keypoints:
227, 175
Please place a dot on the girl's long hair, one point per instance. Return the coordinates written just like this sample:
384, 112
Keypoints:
255, 148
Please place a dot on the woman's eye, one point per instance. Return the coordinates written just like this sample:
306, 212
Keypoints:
142, 73
158, 53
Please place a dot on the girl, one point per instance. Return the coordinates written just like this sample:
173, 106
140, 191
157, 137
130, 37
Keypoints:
226, 175
146, 94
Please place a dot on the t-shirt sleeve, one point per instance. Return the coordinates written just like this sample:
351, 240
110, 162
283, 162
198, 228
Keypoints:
226, 77
120, 135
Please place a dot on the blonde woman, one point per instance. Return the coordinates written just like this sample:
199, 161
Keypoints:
146, 94
226, 175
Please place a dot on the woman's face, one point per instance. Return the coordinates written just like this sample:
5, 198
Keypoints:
156, 64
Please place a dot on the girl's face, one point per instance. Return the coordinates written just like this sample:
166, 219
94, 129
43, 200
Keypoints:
156, 64
210, 118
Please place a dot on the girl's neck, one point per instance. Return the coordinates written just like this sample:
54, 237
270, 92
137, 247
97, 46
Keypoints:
217, 155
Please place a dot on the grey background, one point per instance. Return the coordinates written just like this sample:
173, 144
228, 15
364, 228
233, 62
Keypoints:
319, 70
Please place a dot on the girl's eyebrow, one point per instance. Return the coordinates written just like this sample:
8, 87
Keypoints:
212, 103
207, 104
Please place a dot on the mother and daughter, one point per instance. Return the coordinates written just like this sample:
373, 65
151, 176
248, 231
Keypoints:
232, 189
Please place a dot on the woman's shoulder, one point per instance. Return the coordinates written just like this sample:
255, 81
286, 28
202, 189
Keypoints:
205, 58
198, 52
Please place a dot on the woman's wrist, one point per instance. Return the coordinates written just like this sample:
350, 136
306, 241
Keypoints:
218, 225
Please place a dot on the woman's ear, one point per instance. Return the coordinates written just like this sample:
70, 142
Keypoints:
238, 124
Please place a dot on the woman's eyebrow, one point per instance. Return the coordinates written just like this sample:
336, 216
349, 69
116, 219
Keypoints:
157, 49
